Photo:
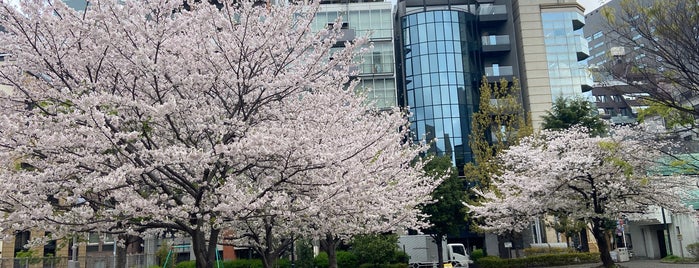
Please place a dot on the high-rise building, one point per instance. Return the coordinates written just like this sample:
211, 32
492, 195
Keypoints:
551, 49
615, 93
445, 47
370, 18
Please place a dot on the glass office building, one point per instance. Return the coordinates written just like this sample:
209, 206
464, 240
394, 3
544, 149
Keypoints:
373, 19
444, 49
440, 69
566, 47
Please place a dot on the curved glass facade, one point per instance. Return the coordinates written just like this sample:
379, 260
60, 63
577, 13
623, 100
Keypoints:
441, 70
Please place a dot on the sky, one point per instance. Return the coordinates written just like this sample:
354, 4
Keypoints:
591, 5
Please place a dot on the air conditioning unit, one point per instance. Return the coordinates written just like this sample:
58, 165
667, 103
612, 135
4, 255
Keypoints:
618, 51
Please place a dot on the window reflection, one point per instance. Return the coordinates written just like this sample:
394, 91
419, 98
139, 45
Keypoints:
436, 88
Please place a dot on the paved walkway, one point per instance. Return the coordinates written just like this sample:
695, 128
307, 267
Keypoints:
635, 263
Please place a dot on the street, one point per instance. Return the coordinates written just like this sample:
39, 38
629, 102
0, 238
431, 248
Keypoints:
638, 263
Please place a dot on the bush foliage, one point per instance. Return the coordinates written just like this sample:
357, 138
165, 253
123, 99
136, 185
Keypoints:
693, 250
547, 250
543, 260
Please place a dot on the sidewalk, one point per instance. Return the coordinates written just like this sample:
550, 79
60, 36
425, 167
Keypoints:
637, 263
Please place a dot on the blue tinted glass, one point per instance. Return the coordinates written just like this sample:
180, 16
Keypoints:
437, 110
428, 112
447, 126
431, 35
434, 78
411, 100
426, 79
414, 35
439, 129
456, 125
421, 127
440, 143
455, 32
439, 31
418, 98
427, 96
412, 20
439, 16
441, 47
449, 46
435, 95
429, 17
432, 47
447, 31
422, 32
444, 93
420, 18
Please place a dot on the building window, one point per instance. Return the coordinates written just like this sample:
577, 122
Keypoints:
597, 35
625, 111
601, 98
21, 239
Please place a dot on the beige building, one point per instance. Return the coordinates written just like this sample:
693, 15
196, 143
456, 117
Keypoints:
551, 46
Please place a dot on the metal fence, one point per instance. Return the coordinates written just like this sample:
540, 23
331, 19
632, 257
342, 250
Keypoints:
132, 261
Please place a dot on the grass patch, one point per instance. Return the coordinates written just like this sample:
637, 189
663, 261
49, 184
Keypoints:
678, 259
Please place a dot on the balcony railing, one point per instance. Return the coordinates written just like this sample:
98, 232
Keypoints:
581, 48
495, 43
490, 12
499, 71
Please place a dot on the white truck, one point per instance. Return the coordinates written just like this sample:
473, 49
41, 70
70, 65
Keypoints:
422, 250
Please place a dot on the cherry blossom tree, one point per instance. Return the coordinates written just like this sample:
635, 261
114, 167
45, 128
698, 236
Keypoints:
589, 178
140, 117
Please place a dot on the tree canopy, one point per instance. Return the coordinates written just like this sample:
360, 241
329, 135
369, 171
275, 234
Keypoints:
660, 40
590, 178
500, 121
446, 214
566, 113
135, 117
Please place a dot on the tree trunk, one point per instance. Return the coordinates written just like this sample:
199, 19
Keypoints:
600, 235
329, 244
121, 251
270, 253
440, 250
205, 251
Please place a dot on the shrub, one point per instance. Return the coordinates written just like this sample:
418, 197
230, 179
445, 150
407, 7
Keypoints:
693, 250
538, 260
477, 254
304, 253
243, 263
375, 249
387, 265
401, 257
186, 264
346, 259
321, 260
547, 250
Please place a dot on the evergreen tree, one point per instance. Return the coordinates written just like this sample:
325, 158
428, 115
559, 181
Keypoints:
566, 113
447, 214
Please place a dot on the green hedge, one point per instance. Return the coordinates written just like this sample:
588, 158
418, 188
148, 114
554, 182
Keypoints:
538, 260
392, 265
239, 263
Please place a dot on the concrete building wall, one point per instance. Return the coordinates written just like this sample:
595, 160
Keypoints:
532, 52
532, 57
